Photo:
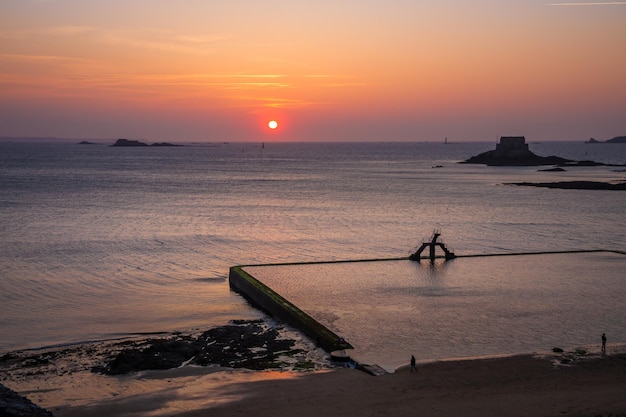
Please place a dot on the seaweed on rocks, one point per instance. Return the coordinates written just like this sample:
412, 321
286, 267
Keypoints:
154, 354
251, 344
244, 344
248, 346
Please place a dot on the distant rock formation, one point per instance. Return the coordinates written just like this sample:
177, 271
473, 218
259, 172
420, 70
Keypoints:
85, 142
617, 139
513, 151
575, 185
164, 144
127, 142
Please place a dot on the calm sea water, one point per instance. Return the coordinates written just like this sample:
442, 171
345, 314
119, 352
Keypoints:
99, 242
468, 307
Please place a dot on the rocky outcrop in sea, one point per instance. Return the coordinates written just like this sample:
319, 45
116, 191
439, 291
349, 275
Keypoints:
617, 139
135, 143
513, 151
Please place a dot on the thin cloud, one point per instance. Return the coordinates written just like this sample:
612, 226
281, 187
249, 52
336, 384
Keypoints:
145, 38
30, 66
46, 31
165, 41
273, 102
339, 84
233, 81
605, 3
254, 84
43, 58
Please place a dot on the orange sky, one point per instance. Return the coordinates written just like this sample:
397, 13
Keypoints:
368, 70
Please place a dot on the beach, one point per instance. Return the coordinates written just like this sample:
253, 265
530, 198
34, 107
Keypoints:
514, 386
552, 384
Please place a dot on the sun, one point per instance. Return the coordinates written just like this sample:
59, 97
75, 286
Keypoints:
272, 124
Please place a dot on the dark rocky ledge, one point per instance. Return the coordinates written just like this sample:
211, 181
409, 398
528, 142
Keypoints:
250, 344
136, 143
14, 405
575, 185
246, 344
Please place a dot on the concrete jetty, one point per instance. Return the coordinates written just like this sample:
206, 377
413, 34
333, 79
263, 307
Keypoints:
270, 301
267, 299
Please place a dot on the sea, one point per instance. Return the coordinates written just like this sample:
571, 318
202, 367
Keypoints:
101, 243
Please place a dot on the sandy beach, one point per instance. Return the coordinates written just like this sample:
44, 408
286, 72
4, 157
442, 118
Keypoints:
526, 385
518, 386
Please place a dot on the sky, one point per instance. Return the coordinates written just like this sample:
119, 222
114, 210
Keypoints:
340, 70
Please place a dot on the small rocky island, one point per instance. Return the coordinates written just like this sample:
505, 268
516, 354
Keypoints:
135, 143
513, 151
617, 139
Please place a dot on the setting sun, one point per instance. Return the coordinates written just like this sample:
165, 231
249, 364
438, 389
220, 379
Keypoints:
73, 69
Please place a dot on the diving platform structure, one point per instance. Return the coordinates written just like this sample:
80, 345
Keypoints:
432, 245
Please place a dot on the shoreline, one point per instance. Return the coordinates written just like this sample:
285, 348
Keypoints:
545, 383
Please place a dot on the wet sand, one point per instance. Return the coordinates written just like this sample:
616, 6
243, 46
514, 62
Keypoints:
513, 386
518, 386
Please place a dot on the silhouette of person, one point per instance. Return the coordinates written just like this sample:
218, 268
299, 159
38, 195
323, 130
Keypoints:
413, 368
604, 343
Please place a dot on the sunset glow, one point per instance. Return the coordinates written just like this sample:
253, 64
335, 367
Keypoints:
207, 71
272, 124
